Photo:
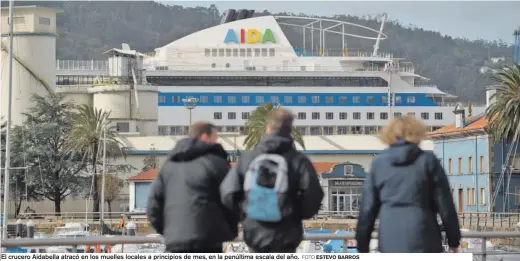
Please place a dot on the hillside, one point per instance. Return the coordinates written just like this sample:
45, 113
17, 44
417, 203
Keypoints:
86, 29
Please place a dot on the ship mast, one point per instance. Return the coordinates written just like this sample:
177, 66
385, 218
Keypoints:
378, 40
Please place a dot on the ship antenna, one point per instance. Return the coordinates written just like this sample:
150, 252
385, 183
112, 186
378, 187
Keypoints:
376, 46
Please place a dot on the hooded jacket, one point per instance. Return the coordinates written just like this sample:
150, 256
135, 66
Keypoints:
407, 188
184, 203
286, 235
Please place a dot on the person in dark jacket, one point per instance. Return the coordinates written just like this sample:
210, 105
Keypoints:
407, 188
304, 190
184, 203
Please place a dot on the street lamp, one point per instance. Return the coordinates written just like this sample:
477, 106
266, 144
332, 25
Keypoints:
190, 104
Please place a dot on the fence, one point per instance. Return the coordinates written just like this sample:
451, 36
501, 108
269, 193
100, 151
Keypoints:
483, 236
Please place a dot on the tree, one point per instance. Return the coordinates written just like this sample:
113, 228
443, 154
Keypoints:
86, 139
113, 186
151, 161
39, 145
503, 114
257, 123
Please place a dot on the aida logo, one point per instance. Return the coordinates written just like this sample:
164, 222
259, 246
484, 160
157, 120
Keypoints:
250, 36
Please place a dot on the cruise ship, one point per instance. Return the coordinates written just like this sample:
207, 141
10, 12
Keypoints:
222, 73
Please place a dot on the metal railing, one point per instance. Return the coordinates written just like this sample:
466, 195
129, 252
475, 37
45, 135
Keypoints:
486, 219
483, 253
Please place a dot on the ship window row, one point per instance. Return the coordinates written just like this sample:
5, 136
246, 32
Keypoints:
304, 130
79, 79
335, 116
240, 52
376, 99
270, 81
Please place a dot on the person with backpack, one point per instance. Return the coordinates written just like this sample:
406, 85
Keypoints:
184, 203
407, 187
274, 187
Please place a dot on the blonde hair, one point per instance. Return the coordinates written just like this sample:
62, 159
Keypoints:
407, 128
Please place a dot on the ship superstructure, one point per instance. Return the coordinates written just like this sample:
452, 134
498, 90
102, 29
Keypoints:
222, 73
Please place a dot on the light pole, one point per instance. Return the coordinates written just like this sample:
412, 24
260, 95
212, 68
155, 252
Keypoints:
103, 178
190, 104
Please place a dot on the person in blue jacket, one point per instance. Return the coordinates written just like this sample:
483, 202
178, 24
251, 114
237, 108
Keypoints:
407, 187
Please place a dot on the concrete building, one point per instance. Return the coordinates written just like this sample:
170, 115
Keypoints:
484, 177
34, 56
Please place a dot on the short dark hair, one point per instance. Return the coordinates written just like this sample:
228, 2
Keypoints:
281, 120
201, 127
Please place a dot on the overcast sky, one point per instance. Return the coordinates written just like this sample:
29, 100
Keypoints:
488, 20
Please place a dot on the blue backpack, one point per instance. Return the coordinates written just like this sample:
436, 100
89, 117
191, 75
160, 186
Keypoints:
266, 186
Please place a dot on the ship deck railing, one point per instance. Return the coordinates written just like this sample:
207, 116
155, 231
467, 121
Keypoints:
480, 242
101, 67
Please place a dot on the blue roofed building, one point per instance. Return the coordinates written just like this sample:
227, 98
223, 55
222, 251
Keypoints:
484, 176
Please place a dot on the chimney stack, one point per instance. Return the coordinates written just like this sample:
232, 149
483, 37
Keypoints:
459, 116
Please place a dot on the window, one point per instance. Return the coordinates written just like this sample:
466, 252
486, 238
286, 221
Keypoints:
220, 52
370, 99
410, 99
287, 99
217, 115
425, 116
203, 99
207, 52
315, 99
356, 115
459, 166
231, 99
217, 99
470, 165
438, 115
328, 130
235, 52
370, 115
315, 115
470, 196
356, 99
162, 99
44, 20
231, 115
384, 99
329, 99
482, 196
17, 20
343, 115
264, 52
411, 114
245, 99
259, 99
449, 167
398, 99
248, 52
242, 52
302, 99
342, 99
176, 99
245, 115
329, 115
214, 52
302, 115
383, 115
271, 52
274, 99
316, 130
302, 130
481, 164
257, 52
123, 127
228, 52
